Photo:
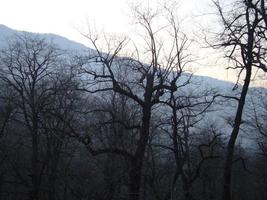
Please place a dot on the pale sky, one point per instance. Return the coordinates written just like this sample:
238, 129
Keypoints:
63, 17
66, 17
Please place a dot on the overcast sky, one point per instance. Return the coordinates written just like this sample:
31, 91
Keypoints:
66, 17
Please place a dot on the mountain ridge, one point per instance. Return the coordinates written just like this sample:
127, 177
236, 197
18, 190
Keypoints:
63, 42
76, 47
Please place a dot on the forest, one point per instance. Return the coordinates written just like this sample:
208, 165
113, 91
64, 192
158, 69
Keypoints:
126, 120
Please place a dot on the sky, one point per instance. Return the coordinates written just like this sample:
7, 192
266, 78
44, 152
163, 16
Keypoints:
69, 17
61, 17
66, 17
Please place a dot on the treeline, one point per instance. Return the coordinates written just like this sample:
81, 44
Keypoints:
110, 125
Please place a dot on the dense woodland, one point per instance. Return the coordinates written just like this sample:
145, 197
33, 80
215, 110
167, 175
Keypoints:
111, 124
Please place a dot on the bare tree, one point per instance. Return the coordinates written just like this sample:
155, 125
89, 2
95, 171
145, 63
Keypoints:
244, 39
190, 155
146, 83
26, 68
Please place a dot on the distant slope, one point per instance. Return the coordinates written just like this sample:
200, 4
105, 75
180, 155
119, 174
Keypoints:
6, 33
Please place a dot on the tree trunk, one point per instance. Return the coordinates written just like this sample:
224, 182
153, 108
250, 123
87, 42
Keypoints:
135, 181
233, 137
53, 177
135, 173
186, 187
35, 182
34, 160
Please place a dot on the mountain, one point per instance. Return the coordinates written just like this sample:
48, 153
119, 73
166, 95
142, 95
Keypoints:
198, 84
64, 43
6, 33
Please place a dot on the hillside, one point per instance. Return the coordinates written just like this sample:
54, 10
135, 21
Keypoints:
95, 137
